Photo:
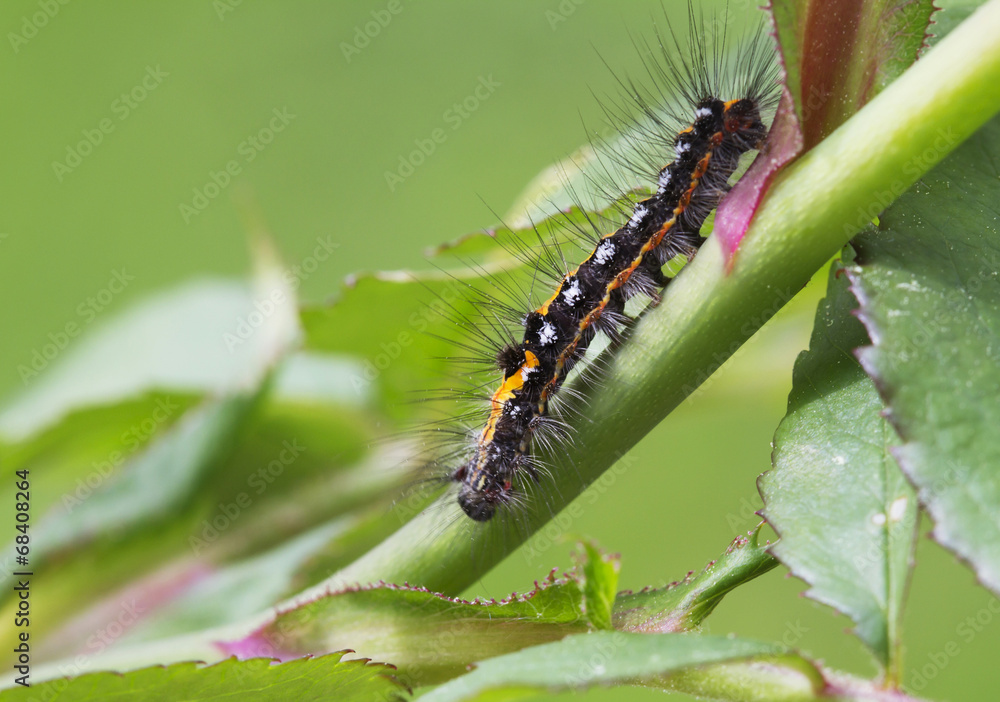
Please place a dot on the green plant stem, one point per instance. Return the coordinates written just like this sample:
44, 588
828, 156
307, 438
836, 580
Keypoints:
811, 212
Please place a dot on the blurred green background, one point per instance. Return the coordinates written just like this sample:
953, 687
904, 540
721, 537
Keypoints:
214, 74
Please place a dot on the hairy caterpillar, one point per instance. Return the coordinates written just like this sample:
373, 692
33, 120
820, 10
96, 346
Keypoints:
702, 114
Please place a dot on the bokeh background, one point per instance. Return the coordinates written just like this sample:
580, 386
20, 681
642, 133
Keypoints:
215, 73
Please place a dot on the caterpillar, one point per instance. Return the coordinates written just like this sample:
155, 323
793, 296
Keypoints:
726, 104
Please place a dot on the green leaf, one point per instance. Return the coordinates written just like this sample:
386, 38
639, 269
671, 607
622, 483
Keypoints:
153, 485
316, 679
220, 595
668, 661
681, 606
300, 496
216, 339
186, 340
428, 636
144, 493
949, 16
600, 573
148, 491
843, 510
930, 297
297, 465
391, 360
313, 378
88, 447
84, 427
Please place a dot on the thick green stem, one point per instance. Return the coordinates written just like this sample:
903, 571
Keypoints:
814, 208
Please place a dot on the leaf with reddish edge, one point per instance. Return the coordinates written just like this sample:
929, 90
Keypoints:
705, 667
429, 636
839, 54
432, 637
681, 606
929, 287
784, 143
827, 79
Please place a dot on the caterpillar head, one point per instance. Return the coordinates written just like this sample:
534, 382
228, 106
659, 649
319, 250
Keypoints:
479, 500
743, 122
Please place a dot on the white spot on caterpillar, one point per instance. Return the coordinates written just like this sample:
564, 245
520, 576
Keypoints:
664, 180
527, 372
547, 334
572, 293
637, 216
604, 252
682, 148
702, 112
